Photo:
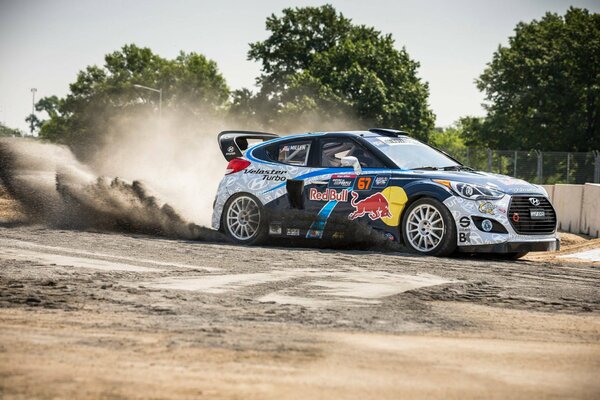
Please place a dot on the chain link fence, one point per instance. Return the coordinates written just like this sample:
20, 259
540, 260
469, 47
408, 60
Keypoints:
547, 167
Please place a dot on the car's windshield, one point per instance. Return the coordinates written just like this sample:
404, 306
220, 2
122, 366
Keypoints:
408, 153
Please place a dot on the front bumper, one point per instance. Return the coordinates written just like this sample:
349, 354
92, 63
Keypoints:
471, 238
512, 247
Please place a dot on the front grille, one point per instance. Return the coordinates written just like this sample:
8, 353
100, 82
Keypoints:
523, 224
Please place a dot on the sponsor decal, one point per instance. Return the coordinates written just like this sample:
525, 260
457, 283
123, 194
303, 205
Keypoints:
487, 208
314, 234
381, 181
328, 195
275, 229
464, 237
390, 141
292, 232
389, 236
294, 147
342, 181
375, 206
534, 201
231, 150
464, 234
267, 174
338, 235
363, 183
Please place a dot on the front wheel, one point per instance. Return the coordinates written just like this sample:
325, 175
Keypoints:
428, 228
244, 219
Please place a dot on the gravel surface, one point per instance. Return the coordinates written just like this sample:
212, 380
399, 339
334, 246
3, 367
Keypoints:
297, 306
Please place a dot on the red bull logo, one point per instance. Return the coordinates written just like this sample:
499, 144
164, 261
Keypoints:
375, 206
328, 195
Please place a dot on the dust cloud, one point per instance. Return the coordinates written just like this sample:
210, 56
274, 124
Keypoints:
56, 189
180, 160
144, 174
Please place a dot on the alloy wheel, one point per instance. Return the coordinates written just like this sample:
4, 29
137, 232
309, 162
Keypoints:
243, 218
425, 228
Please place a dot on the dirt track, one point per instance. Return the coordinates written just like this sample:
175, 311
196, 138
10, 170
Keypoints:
105, 315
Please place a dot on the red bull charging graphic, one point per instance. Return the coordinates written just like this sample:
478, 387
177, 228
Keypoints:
375, 206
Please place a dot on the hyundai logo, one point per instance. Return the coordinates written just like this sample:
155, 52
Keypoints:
534, 201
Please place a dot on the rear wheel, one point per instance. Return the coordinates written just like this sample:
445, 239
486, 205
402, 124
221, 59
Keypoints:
428, 228
244, 220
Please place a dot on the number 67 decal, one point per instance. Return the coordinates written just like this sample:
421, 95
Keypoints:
364, 183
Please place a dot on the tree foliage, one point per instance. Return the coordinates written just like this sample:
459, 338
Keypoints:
450, 139
190, 84
6, 131
543, 89
317, 62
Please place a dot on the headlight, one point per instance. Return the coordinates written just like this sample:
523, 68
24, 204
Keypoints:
471, 191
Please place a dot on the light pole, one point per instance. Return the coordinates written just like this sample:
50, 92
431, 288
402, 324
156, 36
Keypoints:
33, 90
159, 91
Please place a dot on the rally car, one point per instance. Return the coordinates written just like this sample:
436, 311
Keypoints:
382, 178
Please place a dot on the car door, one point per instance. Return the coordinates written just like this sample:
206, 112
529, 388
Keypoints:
331, 193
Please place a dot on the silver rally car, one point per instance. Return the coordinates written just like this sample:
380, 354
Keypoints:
318, 186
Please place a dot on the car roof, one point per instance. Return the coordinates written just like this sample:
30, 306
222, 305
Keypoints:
374, 132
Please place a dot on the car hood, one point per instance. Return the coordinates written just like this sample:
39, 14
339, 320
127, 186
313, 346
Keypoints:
503, 183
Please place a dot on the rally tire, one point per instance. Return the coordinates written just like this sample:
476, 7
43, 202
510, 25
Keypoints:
428, 228
244, 220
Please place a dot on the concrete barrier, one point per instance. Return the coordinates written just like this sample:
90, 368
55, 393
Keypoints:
590, 210
550, 190
567, 202
577, 207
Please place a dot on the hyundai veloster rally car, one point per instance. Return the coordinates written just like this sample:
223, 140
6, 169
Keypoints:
412, 193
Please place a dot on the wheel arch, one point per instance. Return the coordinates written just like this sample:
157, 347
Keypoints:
416, 191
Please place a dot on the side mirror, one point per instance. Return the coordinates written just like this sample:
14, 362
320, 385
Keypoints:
351, 161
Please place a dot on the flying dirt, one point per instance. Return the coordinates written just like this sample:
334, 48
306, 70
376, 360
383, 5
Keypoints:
56, 189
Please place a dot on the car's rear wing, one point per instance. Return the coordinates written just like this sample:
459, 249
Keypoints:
234, 143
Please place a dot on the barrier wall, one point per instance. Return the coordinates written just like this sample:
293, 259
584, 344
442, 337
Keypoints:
577, 207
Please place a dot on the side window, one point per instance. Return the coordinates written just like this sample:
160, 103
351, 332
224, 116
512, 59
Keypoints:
292, 153
333, 150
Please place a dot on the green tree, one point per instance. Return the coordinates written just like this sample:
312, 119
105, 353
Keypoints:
190, 83
450, 139
5, 131
543, 89
317, 62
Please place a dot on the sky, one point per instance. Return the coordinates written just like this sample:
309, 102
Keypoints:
44, 43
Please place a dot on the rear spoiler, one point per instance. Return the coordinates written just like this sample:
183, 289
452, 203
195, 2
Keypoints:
234, 143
